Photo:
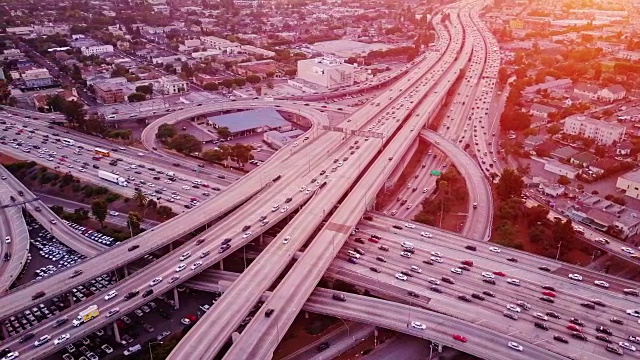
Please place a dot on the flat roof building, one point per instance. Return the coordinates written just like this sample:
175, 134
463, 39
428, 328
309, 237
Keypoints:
329, 73
279, 139
250, 121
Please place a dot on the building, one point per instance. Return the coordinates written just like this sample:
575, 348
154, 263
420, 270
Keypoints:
279, 139
109, 93
549, 85
624, 54
37, 78
40, 100
10, 54
583, 159
531, 142
559, 168
554, 190
96, 50
541, 110
20, 30
516, 24
174, 85
202, 79
604, 133
250, 122
564, 153
624, 148
51, 29
589, 91
612, 93
201, 55
630, 184
329, 73
261, 67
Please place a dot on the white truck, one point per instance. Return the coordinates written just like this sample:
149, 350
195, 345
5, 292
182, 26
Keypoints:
86, 315
112, 177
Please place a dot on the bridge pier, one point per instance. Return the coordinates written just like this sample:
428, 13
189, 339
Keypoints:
116, 333
70, 296
221, 265
126, 272
175, 298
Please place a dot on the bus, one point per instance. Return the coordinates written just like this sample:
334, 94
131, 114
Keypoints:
101, 152
68, 142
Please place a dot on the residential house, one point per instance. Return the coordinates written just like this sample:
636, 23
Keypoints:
40, 100
589, 91
583, 159
531, 142
603, 132
624, 148
599, 167
564, 153
612, 93
558, 168
541, 110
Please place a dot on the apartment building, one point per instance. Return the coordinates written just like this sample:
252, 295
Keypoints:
329, 73
36, 78
603, 132
173, 85
109, 93
96, 50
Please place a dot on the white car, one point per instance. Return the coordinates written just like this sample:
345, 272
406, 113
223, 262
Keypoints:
436, 259
196, 265
284, 209
303, 188
577, 277
515, 346
434, 281
11, 356
426, 234
110, 295
401, 277
7, 239
513, 308
173, 279
435, 253
494, 249
628, 250
488, 275
405, 254
181, 267
541, 316
601, 283
155, 281
514, 282
418, 325
410, 226
185, 321
112, 312
634, 312
246, 235
60, 339
406, 245
456, 271
185, 187
627, 346
286, 239
185, 256
415, 269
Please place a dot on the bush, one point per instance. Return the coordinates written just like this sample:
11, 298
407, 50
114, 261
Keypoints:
112, 197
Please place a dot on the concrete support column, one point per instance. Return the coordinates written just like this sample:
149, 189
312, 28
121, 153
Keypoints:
306, 314
70, 295
116, 333
170, 246
175, 298
126, 272
221, 265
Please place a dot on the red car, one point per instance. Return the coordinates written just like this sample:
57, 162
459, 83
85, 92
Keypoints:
460, 338
573, 327
467, 262
549, 293
499, 273
373, 240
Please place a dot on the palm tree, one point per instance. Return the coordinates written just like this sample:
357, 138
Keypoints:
140, 198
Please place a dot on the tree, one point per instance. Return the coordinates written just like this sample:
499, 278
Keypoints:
99, 210
554, 129
145, 89
536, 214
185, 143
152, 204
213, 155
253, 79
510, 185
228, 83
166, 131
56, 102
133, 221
140, 198
240, 81
74, 112
136, 97
563, 180
224, 132
164, 211
211, 86
269, 84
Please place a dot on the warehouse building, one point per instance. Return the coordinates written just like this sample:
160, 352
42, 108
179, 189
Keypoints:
279, 139
251, 121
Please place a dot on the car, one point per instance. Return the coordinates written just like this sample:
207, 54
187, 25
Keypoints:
635, 339
471, 247
26, 337
510, 315
514, 282
547, 299
459, 338
576, 277
405, 254
489, 281
200, 241
163, 335
540, 325
627, 250
456, 271
478, 296
185, 321
633, 312
541, 316
107, 349
418, 325
513, 308
185, 256
435, 289
544, 268
246, 234
549, 293
494, 249
464, 298
561, 339
10, 355
110, 295
499, 273
204, 253
415, 269
512, 259
60, 339
488, 275
603, 338
173, 279
401, 277
42, 340
112, 312
576, 322
614, 349
133, 247
603, 330
426, 234
181, 267
588, 305
339, 297
155, 281
489, 293
436, 259
627, 346
196, 265
601, 283
324, 346
578, 335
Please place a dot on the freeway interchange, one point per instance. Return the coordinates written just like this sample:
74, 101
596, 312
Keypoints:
323, 189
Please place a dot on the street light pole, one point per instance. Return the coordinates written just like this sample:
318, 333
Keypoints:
345, 324
558, 254
153, 342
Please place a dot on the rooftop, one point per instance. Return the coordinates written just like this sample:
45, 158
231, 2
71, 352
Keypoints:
250, 119
633, 176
